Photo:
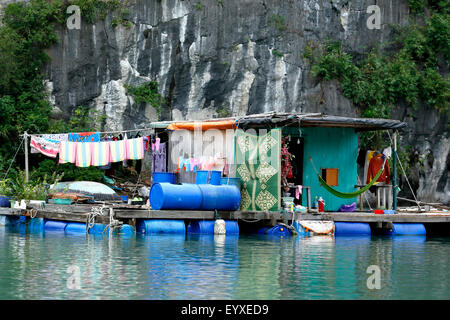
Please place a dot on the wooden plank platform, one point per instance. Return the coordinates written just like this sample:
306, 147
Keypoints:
80, 213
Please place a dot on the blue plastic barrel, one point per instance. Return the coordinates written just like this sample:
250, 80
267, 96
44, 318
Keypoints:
53, 225
231, 181
278, 230
407, 229
127, 230
208, 177
160, 226
168, 196
75, 228
351, 228
4, 202
97, 228
164, 177
207, 227
222, 197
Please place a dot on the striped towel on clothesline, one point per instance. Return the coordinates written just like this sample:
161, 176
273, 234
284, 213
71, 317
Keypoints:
67, 152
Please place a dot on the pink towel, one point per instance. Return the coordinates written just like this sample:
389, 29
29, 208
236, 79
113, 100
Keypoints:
298, 192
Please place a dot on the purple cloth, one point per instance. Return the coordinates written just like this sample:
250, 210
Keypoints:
348, 207
159, 159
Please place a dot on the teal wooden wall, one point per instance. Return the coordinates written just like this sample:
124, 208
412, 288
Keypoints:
330, 148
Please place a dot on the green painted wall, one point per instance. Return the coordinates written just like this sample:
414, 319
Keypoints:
330, 148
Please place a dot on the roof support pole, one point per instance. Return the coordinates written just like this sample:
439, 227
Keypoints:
25, 136
394, 171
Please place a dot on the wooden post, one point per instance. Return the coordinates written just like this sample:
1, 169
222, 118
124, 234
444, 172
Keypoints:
394, 171
25, 136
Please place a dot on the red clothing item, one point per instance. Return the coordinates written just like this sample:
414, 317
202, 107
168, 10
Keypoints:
374, 166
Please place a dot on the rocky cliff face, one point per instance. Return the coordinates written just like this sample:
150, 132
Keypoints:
236, 56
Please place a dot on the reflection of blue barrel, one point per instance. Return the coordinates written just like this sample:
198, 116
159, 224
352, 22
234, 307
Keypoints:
161, 226
223, 197
53, 225
167, 196
36, 225
231, 181
208, 177
163, 177
207, 227
351, 228
407, 229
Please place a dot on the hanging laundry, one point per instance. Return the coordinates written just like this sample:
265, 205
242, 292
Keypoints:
369, 155
159, 159
146, 143
195, 164
100, 153
44, 146
84, 137
181, 164
135, 148
118, 150
84, 156
56, 136
125, 162
374, 167
67, 152
155, 146
108, 164
387, 152
298, 192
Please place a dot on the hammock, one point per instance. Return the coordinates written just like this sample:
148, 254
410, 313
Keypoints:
348, 195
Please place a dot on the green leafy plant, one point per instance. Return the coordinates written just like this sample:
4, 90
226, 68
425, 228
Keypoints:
198, 5
148, 93
5, 189
278, 21
223, 112
277, 53
35, 189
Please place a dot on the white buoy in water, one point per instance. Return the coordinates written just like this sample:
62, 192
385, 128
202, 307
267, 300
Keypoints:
219, 226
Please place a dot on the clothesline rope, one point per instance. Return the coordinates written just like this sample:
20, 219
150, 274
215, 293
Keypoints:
99, 132
12, 161
404, 173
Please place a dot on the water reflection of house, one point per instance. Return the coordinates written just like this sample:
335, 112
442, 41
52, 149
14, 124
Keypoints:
251, 147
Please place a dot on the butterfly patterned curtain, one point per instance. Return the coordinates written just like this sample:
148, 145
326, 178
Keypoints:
258, 164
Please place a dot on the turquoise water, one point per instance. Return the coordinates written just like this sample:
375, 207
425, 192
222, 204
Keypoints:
35, 266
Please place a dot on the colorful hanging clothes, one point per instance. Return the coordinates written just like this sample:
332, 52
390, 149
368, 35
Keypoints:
369, 155
67, 152
159, 159
83, 157
100, 153
375, 165
84, 137
135, 148
155, 146
56, 136
118, 150
44, 146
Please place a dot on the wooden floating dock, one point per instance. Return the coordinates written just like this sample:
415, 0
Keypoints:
126, 213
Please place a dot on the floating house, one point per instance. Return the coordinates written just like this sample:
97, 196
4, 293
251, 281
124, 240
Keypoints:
275, 155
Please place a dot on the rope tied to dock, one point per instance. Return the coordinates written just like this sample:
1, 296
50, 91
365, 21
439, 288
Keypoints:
95, 211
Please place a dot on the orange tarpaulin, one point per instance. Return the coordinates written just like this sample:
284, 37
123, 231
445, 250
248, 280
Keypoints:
220, 125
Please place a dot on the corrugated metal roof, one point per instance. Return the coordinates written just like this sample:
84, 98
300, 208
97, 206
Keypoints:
273, 119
